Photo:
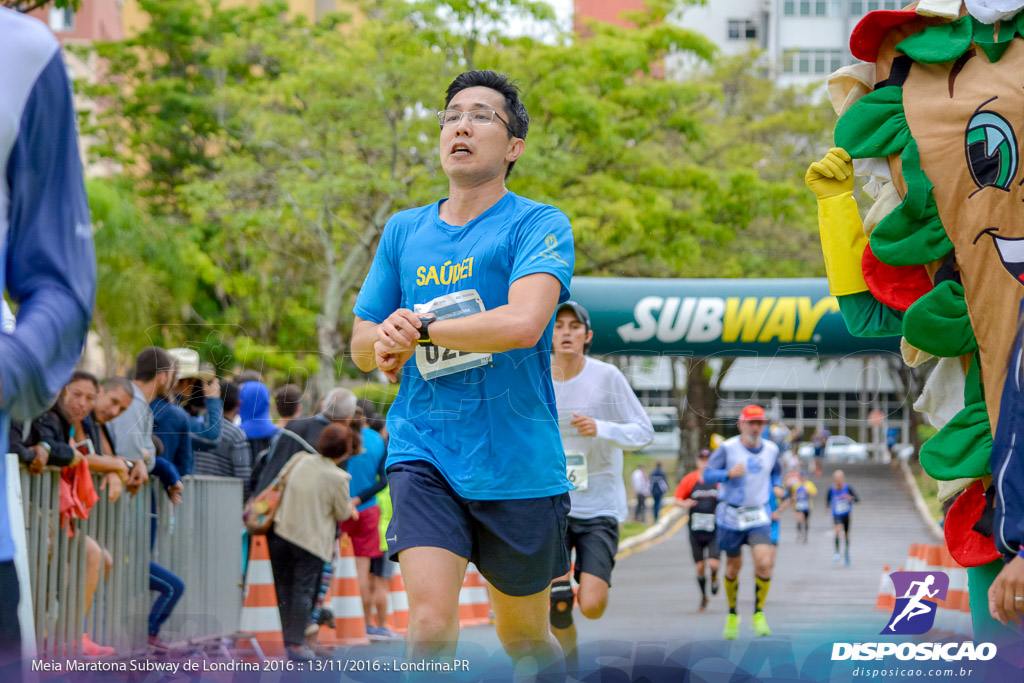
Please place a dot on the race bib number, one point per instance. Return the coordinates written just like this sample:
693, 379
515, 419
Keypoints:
576, 469
702, 521
803, 505
436, 361
748, 518
840, 508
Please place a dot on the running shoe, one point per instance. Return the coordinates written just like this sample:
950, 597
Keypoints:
158, 646
703, 603
732, 626
380, 633
91, 649
836, 558
760, 625
714, 585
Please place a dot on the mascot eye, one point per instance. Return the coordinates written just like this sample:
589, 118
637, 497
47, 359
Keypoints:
991, 150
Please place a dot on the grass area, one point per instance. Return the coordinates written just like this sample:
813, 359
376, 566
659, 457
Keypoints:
929, 489
629, 529
629, 463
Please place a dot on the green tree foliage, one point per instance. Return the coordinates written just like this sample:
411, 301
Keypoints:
272, 150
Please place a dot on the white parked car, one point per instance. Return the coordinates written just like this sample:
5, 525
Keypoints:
666, 435
838, 448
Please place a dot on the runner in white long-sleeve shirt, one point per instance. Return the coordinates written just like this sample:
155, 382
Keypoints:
599, 417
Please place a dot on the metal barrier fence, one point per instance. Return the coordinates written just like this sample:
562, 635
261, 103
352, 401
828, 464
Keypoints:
200, 540
202, 543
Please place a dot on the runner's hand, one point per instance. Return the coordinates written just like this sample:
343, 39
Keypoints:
399, 331
1002, 602
390, 361
688, 503
737, 470
584, 425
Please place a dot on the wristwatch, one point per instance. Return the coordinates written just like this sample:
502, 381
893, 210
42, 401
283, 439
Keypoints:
425, 321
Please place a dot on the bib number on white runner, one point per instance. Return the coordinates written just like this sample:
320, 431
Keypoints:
576, 469
841, 507
436, 361
702, 521
748, 518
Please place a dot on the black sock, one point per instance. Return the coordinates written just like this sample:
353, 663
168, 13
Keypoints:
837, 544
703, 583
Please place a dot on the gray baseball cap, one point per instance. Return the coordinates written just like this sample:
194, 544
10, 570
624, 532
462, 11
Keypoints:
581, 313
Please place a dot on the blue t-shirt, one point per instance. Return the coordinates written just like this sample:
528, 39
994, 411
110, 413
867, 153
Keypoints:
492, 431
364, 467
841, 500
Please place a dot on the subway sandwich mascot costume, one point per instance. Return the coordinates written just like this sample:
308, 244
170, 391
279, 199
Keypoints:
934, 119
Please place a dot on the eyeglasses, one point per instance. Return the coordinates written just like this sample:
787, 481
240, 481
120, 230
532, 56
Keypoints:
477, 117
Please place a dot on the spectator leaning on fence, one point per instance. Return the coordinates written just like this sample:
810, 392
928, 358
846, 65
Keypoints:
133, 429
315, 499
113, 398
78, 496
232, 457
171, 424
50, 272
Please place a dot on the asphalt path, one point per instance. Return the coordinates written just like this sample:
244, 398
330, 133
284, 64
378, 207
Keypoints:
653, 615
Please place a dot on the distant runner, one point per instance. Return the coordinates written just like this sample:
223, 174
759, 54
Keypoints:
749, 469
701, 499
841, 498
802, 493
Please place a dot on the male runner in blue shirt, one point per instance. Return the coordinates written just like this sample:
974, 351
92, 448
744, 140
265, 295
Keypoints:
748, 467
475, 462
47, 263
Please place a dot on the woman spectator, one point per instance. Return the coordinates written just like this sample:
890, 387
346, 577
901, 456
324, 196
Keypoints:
74, 404
315, 499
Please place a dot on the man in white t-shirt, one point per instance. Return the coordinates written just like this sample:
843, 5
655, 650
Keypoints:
598, 416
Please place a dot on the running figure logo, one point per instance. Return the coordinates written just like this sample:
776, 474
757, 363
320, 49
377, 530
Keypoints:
914, 612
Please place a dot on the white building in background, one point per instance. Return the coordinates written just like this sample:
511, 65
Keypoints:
806, 393
803, 40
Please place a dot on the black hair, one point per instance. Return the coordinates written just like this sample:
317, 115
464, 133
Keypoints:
248, 376
229, 394
150, 361
288, 400
515, 110
79, 375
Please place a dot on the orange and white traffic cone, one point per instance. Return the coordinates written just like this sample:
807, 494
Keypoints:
261, 621
474, 605
346, 601
886, 592
398, 601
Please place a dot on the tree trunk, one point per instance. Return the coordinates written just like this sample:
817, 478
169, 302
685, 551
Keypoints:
328, 338
698, 405
110, 354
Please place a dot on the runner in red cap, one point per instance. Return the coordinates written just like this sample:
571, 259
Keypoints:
748, 468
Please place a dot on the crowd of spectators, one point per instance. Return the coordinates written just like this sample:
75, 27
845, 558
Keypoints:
173, 417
